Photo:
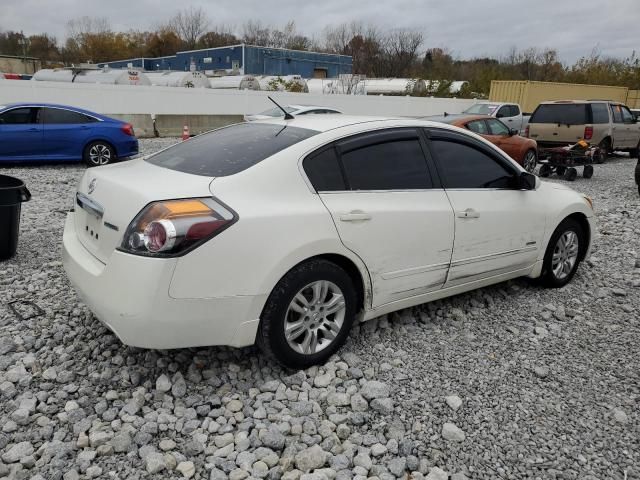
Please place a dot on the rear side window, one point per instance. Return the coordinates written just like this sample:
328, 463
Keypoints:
565, 114
464, 166
496, 127
393, 165
600, 113
18, 116
617, 113
59, 116
323, 170
229, 150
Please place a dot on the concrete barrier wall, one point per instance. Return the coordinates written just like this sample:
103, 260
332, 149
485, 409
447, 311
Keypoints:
203, 109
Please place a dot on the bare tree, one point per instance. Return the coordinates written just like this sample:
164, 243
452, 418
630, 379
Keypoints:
190, 24
400, 49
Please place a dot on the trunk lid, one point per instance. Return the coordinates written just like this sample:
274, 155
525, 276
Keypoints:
109, 197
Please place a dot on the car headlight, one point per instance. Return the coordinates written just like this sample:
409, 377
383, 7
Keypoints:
173, 227
589, 200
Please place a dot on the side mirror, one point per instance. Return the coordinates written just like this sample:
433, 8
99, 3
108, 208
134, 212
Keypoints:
526, 181
513, 132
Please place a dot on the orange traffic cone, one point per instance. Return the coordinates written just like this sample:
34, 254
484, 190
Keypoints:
185, 133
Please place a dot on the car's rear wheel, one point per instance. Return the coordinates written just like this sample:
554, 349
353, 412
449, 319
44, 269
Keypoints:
635, 152
308, 314
605, 151
563, 253
99, 153
530, 161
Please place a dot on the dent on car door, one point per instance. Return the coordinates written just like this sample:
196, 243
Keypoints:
387, 210
20, 134
498, 228
66, 132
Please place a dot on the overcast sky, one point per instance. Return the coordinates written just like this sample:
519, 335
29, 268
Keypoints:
467, 27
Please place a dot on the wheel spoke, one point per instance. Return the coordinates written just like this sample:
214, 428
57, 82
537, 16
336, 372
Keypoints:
294, 329
299, 304
334, 305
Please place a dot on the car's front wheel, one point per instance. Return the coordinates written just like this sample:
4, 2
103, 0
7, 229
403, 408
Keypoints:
99, 153
530, 161
308, 315
563, 253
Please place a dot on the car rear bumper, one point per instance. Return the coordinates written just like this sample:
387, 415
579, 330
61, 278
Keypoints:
127, 148
130, 296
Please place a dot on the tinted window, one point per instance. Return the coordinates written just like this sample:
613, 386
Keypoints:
617, 113
600, 113
393, 165
626, 115
59, 116
229, 150
515, 110
567, 114
478, 126
504, 112
496, 127
323, 170
464, 166
18, 116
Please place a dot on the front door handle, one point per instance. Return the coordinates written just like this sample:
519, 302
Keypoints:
468, 213
355, 216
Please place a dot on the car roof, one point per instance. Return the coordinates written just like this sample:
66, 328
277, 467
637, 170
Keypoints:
54, 105
576, 102
455, 118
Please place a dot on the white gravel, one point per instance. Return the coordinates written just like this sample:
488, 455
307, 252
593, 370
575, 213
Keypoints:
511, 381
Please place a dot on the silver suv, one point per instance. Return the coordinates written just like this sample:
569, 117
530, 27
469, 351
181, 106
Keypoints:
608, 124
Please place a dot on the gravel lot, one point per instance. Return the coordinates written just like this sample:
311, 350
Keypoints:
511, 381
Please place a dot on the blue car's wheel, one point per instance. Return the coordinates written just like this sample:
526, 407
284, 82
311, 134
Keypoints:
99, 153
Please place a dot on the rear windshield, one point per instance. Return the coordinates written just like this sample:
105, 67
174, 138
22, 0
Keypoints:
276, 112
482, 109
229, 150
566, 114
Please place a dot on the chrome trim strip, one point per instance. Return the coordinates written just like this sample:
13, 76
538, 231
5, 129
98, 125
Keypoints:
482, 258
89, 205
414, 271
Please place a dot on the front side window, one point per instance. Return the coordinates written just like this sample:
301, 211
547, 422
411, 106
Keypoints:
478, 126
496, 127
464, 166
391, 165
515, 110
18, 116
504, 111
61, 117
600, 113
626, 115
617, 113
230, 150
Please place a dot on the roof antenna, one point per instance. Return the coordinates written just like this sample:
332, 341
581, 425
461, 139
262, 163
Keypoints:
287, 115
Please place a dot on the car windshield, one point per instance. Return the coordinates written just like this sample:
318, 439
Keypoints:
276, 112
229, 150
481, 109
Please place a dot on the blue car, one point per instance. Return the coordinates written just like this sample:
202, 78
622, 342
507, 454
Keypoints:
46, 132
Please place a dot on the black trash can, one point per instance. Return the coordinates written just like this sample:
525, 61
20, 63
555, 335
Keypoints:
12, 193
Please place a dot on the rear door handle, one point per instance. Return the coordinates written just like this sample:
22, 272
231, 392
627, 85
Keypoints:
468, 213
355, 216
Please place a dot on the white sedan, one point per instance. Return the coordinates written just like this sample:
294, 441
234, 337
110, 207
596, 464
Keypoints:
295, 110
283, 233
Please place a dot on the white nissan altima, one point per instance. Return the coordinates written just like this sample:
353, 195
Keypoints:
285, 232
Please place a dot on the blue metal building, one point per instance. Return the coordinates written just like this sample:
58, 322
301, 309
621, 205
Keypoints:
247, 59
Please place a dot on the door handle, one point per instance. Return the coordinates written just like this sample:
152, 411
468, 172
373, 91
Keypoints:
468, 213
355, 216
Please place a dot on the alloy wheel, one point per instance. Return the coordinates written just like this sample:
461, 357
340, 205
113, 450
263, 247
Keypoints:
530, 161
565, 254
100, 154
315, 317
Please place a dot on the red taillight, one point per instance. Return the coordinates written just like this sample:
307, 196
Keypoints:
588, 133
127, 129
526, 132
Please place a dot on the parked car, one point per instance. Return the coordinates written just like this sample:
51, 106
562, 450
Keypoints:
295, 110
510, 113
286, 232
635, 112
607, 124
43, 131
522, 150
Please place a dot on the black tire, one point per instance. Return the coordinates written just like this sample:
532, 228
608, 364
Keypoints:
605, 151
530, 160
271, 334
545, 170
570, 174
635, 152
548, 278
99, 153
587, 171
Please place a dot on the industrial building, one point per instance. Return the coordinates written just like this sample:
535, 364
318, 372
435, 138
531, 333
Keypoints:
246, 59
19, 65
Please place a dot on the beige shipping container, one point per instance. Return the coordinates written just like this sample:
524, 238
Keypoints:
530, 94
633, 99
